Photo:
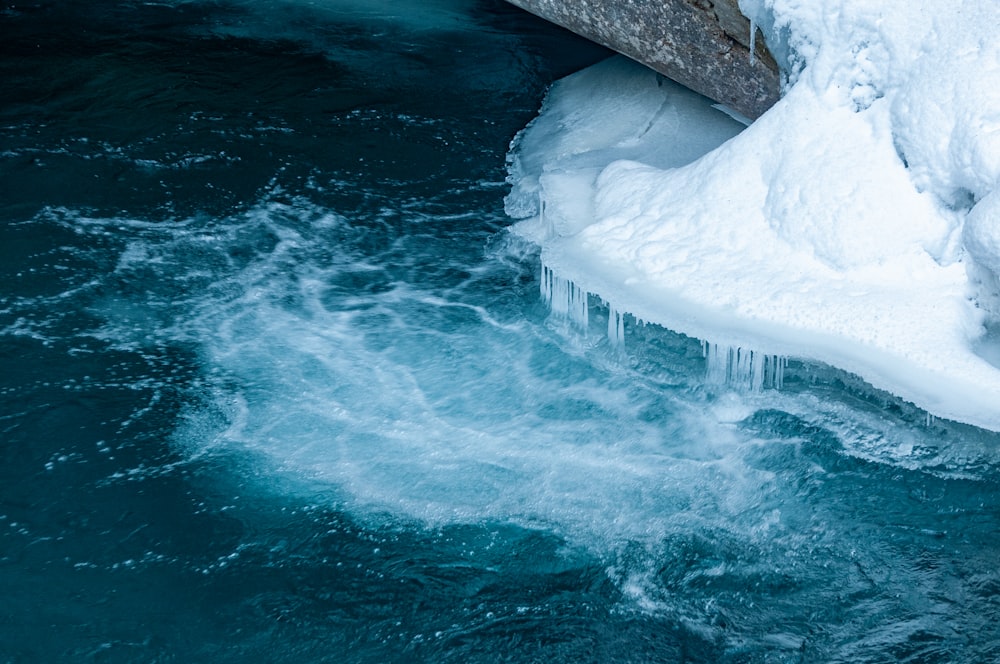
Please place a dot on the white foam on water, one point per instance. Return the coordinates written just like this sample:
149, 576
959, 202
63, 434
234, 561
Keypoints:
337, 371
339, 361
437, 406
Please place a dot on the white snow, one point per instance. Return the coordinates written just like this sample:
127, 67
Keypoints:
855, 223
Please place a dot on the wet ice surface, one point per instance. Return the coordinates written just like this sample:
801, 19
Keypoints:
301, 401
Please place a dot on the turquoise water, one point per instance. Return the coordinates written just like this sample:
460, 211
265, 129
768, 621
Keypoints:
277, 386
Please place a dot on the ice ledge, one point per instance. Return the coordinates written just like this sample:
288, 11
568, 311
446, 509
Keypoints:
742, 368
960, 384
800, 236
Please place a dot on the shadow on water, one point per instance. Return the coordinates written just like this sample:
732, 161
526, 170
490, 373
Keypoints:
178, 108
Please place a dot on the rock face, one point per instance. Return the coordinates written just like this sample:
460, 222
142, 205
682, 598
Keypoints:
701, 44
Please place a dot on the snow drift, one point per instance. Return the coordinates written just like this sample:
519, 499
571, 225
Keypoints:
855, 223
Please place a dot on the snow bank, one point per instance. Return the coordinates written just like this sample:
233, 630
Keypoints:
855, 223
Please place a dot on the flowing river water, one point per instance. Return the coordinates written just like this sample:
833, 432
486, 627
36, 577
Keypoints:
278, 386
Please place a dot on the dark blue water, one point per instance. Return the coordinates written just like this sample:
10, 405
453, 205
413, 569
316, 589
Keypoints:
276, 385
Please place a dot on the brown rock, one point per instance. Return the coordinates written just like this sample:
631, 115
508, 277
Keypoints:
701, 44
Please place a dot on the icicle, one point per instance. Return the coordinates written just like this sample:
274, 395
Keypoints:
717, 367
541, 214
753, 42
581, 313
741, 368
565, 298
616, 327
